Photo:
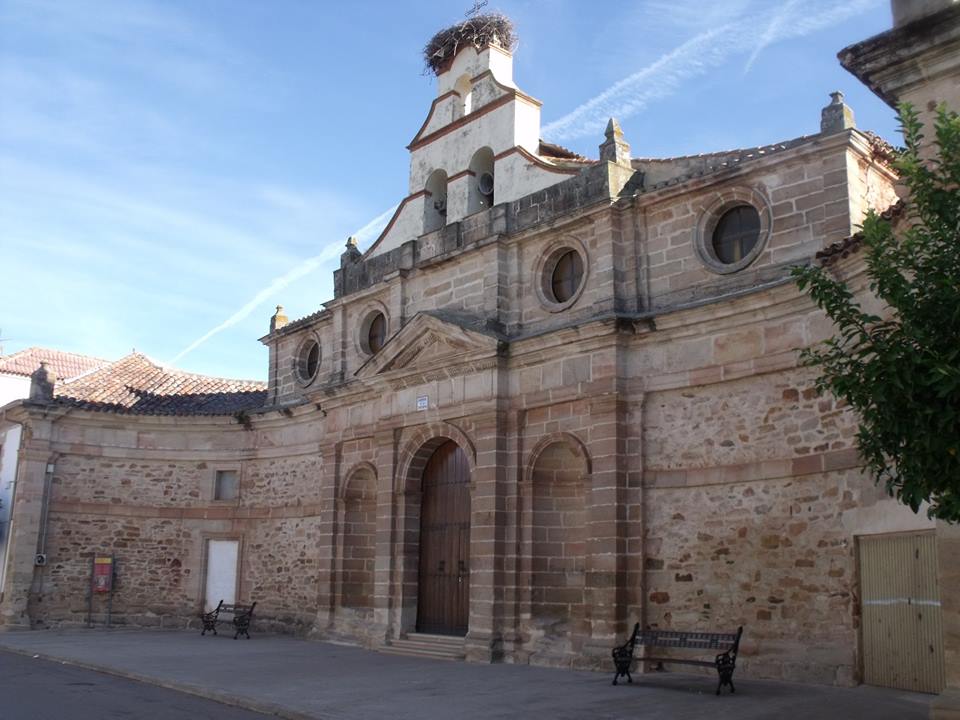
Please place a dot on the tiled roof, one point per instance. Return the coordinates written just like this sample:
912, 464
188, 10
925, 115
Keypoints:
135, 384
688, 167
64, 364
851, 244
558, 152
305, 320
881, 148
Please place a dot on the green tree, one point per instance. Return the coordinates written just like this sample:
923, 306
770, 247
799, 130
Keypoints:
900, 371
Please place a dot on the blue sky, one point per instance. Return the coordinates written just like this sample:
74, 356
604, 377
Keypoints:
171, 171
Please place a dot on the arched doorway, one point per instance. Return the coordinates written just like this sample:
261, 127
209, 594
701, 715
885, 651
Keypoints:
443, 600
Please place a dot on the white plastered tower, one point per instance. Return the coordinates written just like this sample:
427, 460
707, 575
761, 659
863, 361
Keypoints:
479, 124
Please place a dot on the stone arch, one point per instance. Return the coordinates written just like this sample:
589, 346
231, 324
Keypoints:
358, 496
421, 445
576, 446
482, 163
557, 480
435, 201
464, 89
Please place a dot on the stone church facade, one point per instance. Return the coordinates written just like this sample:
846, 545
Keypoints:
556, 397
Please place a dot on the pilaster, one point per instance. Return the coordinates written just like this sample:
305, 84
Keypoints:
327, 545
604, 591
487, 531
385, 597
27, 524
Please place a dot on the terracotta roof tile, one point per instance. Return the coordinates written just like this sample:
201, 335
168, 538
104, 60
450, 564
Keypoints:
64, 364
880, 147
554, 151
137, 385
851, 244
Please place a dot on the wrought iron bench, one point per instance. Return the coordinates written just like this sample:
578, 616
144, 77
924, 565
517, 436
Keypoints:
725, 661
241, 616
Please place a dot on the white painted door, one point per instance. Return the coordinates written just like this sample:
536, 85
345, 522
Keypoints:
221, 572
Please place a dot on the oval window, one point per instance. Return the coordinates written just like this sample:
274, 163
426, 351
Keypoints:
308, 361
736, 234
567, 276
377, 334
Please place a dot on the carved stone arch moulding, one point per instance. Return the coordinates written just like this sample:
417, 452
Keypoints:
547, 262
351, 475
713, 208
418, 448
572, 441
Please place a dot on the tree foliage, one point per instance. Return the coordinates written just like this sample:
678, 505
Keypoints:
900, 369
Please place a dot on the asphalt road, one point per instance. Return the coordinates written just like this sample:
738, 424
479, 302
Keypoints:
35, 689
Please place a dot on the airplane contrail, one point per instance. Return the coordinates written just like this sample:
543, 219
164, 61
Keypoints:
371, 229
770, 33
695, 57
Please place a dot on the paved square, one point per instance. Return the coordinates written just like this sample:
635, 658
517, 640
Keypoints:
304, 679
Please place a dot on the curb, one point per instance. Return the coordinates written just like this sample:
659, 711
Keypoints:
241, 702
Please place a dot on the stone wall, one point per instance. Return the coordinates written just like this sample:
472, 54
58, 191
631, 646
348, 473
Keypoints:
154, 509
772, 556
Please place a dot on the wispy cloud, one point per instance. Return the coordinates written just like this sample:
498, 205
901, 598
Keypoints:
303, 268
122, 191
769, 34
707, 49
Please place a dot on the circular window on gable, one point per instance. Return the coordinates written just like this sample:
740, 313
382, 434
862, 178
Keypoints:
736, 234
562, 274
733, 230
373, 332
308, 360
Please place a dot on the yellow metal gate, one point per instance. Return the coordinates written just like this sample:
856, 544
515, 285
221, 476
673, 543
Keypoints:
902, 636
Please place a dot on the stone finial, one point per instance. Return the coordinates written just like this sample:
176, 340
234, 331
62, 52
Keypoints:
614, 148
837, 116
42, 381
352, 253
278, 319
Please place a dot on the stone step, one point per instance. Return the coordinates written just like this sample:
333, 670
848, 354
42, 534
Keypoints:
426, 654
438, 647
445, 640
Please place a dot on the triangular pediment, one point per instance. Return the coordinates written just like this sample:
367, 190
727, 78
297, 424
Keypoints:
430, 342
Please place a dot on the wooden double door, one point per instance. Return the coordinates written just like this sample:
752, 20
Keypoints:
443, 601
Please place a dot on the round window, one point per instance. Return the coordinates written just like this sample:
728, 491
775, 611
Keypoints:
308, 360
377, 333
736, 234
566, 276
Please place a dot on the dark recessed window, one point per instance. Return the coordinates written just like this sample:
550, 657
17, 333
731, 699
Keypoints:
377, 334
736, 234
308, 361
227, 485
567, 276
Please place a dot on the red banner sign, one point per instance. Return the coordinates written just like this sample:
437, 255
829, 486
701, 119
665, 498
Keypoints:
102, 574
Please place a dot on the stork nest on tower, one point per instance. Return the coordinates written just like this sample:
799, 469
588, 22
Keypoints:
478, 30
